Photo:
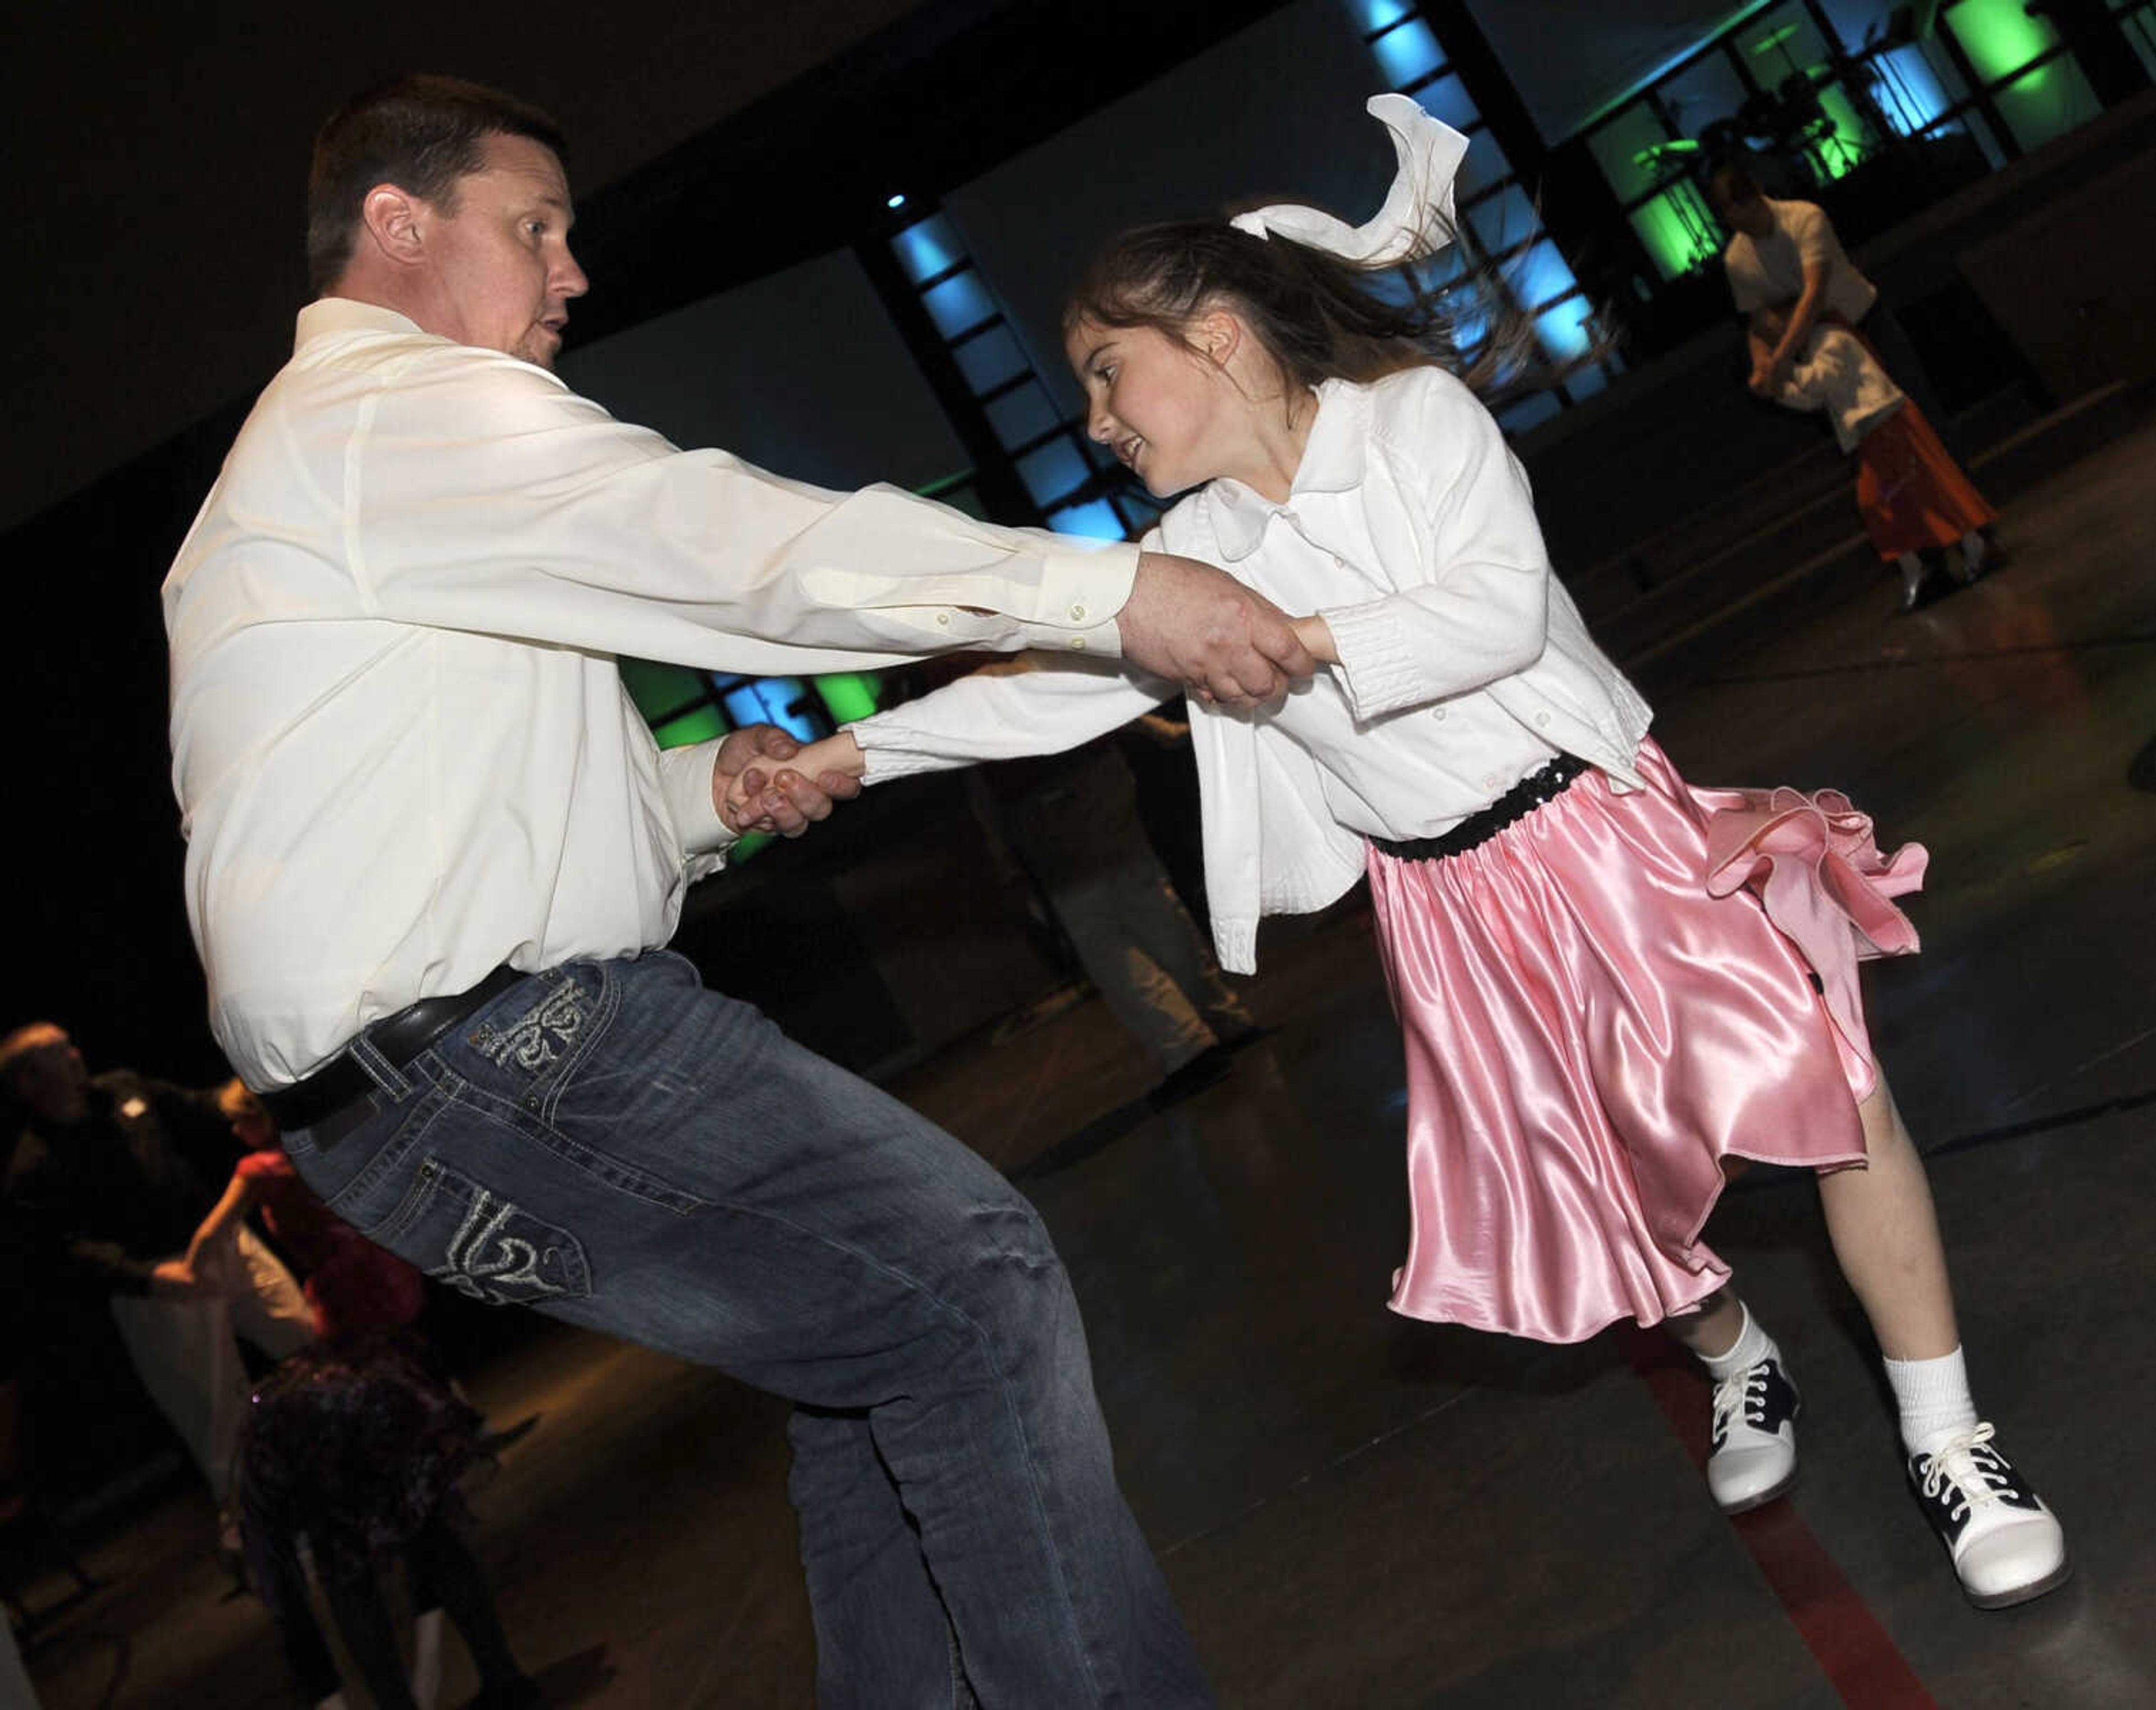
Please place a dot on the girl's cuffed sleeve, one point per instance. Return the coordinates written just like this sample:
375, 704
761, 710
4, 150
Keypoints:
1005, 711
1482, 613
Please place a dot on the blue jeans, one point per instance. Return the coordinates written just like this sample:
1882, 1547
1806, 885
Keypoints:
615, 1146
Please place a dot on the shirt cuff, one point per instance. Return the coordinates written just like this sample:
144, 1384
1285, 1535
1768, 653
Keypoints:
1378, 670
684, 779
1081, 589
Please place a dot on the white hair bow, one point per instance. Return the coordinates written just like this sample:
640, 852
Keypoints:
1417, 217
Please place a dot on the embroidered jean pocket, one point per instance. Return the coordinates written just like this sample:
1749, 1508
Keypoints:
483, 1244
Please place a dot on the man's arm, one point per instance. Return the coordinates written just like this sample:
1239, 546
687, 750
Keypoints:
491, 498
1198, 626
1803, 318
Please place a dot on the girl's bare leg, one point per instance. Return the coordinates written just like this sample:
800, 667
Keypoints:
1885, 1236
1711, 1331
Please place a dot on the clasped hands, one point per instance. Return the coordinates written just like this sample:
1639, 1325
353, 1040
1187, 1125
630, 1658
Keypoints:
1185, 620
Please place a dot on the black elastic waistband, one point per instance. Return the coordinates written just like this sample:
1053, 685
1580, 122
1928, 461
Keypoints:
1545, 783
399, 1038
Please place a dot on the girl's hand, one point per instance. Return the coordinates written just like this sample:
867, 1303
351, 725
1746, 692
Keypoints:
832, 768
1315, 635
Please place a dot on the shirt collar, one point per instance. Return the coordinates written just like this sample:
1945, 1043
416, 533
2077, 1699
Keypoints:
327, 315
1333, 462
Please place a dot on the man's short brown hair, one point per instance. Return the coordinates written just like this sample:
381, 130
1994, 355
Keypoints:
419, 132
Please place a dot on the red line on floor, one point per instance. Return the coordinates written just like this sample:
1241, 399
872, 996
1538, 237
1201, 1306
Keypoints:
1861, 1662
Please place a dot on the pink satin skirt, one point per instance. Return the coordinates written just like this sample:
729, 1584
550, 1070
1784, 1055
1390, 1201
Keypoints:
1601, 1003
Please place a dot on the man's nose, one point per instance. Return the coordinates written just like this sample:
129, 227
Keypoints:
569, 280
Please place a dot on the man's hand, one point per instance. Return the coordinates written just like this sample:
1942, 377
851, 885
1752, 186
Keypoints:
751, 791
1199, 625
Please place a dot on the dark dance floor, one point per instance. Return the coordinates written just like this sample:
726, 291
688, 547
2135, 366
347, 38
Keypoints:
1357, 1510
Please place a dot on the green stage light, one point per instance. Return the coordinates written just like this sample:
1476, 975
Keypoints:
1998, 35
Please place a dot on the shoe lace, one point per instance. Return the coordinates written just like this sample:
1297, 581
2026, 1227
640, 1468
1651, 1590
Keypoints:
1975, 1472
1743, 1390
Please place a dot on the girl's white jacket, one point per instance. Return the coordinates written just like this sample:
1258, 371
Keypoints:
1411, 527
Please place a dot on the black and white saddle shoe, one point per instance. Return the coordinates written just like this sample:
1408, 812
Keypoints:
1751, 1457
2007, 1547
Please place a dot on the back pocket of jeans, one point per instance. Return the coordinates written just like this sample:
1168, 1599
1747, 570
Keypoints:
482, 1243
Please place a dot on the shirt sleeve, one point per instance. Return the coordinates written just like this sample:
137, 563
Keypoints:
1005, 711
479, 493
1478, 609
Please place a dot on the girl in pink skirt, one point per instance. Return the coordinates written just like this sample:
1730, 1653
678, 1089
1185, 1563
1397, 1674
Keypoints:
1609, 981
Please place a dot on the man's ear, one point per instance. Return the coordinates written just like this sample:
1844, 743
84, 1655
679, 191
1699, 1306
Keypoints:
395, 221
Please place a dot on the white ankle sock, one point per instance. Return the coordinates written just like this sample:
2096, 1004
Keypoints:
1913, 572
1974, 548
1934, 1400
1752, 1345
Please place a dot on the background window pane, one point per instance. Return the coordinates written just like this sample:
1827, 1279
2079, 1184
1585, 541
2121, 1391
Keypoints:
1563, 331
1617, 146
1540, 276
1908, 89
1998, 35
701, 725
1447, 100
1485, 165
1407, 53
1052, 472
2047, 102
1534, 408
990, 359
1504, 220
1096, 520
926, 250
849, 694
1676, 231
1021, 415
959, 302
784, 701
1376, 14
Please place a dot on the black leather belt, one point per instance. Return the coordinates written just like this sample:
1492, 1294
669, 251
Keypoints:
1545, 783
399, 1038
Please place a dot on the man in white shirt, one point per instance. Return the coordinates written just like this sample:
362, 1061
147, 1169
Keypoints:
434, 854
1784, 262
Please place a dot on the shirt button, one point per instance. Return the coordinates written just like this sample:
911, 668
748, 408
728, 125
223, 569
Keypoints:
944, 617
1490, 781
1078, 643
1541, 718
1077, 615
1438, 715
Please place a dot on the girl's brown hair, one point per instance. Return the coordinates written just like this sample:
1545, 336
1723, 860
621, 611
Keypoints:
1321, 317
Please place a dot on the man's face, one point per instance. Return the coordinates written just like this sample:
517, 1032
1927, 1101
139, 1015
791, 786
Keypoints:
503, 274
50, 1076
1743, 209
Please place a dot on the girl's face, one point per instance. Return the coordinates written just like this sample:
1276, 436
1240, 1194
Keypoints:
1152, 400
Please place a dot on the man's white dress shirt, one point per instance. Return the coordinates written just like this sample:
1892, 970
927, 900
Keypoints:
1766, 271
403, 751
1464, 663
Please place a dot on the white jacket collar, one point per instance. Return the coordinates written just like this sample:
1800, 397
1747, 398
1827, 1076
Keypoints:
1333, 462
